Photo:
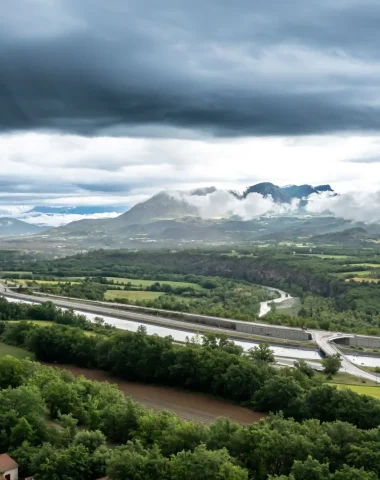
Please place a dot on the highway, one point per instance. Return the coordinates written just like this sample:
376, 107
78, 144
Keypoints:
323, 339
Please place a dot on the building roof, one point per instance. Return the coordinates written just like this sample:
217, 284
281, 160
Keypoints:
7, 463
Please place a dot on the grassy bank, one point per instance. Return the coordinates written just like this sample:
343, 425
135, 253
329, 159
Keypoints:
14, 351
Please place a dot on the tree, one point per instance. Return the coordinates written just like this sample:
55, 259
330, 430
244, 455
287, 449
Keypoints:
332, 364
310, 470
279, 393
21, 432
133, 462
90, 439
303, 367
349, 473
182, 436
262, 353
61, 464
62, 398
205, 464
12, 372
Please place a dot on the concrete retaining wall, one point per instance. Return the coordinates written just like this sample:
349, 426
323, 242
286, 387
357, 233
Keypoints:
273, 331
359, 341
124, 311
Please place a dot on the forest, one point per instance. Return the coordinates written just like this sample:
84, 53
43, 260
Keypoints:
59, 428
338, 290
215, 366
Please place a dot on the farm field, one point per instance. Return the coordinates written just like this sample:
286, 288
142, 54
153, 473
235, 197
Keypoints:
131, 295
358, 273
147, 283
14, 351
188, 405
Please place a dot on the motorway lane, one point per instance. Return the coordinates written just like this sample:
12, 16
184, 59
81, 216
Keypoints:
325, 342
322, 338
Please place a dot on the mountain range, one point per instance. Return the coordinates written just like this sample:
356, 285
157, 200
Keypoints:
172, 218
10, 227
282, 194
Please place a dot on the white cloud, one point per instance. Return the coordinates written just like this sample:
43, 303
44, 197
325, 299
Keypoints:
58, 219
52, 169
357, 206
222, 203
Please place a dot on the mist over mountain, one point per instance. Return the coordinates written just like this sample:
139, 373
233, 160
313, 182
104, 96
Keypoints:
264, 212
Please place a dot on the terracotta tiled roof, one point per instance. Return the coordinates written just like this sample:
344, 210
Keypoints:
7, 463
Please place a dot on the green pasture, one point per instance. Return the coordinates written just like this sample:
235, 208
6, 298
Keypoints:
147, 283
14, 351
131, 295
372, 391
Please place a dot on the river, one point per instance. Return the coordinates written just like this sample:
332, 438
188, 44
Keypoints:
265, 307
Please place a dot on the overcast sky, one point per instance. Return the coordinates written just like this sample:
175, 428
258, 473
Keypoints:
112, 101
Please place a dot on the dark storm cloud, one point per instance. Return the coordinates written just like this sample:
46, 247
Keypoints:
230, 68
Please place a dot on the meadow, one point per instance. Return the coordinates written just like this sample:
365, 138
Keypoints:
371, 390
14, 351
138, 282
131, 295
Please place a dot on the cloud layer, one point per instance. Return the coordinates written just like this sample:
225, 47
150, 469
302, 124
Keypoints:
354, 206
226, 68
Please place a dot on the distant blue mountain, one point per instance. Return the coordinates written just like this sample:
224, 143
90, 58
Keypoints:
84, 210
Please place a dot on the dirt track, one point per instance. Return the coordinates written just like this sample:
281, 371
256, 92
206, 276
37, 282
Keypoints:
188, 405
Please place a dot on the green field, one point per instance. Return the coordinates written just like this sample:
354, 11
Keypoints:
147, 283
372, 391
345, 379
41, 323
44, 282
14, 351
371, 265
133, 296
358, 273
